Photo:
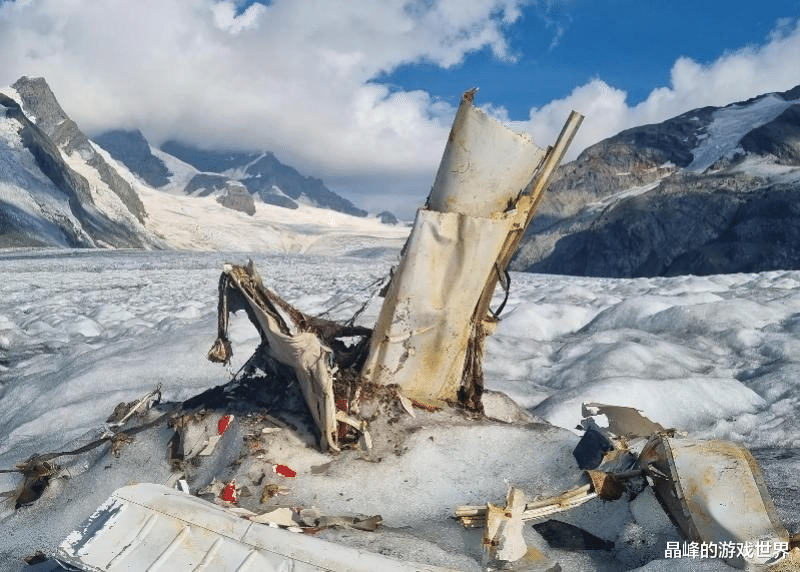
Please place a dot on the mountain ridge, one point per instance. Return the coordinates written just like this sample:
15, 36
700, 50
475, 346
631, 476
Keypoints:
44, 200
713, 190
264, 176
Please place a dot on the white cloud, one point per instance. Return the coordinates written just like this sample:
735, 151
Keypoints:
735, 76
294, 76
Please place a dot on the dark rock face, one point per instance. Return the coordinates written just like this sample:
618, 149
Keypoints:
232, 194
387, 218
237, 198
780, 137
269, 193
627, 207
38, 99
685, 228
262, 173
132, 150
204, 184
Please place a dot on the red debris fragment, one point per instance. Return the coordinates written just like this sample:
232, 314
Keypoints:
284, 471
229, 493
426, 406
223, 423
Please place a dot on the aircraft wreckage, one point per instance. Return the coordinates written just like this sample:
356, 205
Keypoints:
424, 352
429, 336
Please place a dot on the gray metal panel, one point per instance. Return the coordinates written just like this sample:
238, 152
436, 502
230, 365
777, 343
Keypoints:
153, 528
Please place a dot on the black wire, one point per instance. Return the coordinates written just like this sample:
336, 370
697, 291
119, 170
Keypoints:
506, 284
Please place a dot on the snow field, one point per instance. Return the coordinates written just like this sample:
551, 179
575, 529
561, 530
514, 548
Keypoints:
81, 331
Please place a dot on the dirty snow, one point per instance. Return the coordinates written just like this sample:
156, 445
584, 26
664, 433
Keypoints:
715, 356
767, 168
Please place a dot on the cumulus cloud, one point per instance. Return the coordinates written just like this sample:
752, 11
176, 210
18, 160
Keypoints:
297, 76
737, 75
290, 75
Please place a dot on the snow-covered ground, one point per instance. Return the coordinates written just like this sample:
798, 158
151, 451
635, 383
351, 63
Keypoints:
715, 356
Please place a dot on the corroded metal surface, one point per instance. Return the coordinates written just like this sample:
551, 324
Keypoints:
430, 332
715, 492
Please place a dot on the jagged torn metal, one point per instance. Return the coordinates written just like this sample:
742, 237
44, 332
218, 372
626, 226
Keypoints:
429, 335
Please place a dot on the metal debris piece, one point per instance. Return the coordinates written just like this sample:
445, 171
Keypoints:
429, 335
623, 421
606, 485
310, 346
406, 403
502, 535
366, 523
124, 411
475, 516
151, 527
280, 516
715, 492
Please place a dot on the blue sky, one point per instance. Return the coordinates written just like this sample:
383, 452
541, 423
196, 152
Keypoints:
362, 93
629, 44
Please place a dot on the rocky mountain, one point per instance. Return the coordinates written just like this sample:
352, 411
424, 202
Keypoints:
56, 189
130, 148
237, 179
714, 190
262, 174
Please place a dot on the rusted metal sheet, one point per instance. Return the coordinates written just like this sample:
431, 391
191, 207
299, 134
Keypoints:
429, 335
623, 421
422, 332
715, 492
155, 528
289, 344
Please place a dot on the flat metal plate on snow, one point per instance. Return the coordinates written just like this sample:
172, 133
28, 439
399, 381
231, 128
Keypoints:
153, 528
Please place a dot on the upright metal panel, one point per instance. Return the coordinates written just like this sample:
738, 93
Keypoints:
429, 335
715, 492
485, 165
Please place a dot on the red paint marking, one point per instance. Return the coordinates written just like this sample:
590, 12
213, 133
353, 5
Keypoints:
229, 492
285, 471
224, 423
